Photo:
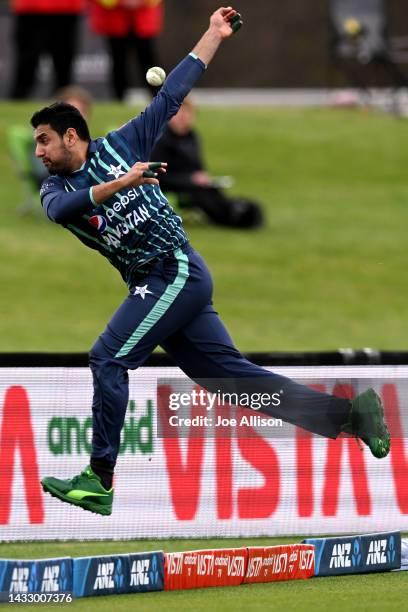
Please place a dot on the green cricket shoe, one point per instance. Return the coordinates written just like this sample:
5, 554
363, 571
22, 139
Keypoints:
367, 423
84, 490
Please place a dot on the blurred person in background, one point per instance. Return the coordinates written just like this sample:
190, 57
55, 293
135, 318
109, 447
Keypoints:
130, 27
82, 100
76, 96
188, 178
30, 169
44, 27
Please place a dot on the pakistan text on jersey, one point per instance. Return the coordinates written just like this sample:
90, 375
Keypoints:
130, 222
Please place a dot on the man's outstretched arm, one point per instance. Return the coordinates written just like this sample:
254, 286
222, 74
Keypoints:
142, 132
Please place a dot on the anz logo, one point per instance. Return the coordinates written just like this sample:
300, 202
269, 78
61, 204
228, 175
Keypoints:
391, 552
50, 580
377, 552
340, 556
19, 580
356, 557
104, 578
108, 576
139, 574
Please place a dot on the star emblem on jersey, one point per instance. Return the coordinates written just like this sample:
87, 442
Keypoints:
115, 171
142, 291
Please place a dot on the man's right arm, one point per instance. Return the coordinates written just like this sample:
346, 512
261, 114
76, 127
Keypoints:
61, 206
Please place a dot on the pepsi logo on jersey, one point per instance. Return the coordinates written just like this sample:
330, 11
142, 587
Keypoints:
98, 222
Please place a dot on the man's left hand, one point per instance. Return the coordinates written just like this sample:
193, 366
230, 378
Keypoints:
226, 21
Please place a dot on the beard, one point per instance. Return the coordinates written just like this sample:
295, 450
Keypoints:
61, 164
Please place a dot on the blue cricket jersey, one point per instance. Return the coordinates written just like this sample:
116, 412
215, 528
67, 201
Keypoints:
136, 225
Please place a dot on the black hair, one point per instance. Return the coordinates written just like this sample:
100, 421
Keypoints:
62, 116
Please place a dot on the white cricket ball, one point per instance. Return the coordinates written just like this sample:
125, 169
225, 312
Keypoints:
155, 76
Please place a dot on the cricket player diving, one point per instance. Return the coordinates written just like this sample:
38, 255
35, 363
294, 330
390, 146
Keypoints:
107, 193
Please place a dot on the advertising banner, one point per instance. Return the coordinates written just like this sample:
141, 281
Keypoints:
197, 569
231, 473
36, 576
146, 572
374, 552
113, 574
274, 563
103, 575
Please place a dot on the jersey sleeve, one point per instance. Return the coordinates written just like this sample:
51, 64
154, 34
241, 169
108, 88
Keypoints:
142, 132
61, 206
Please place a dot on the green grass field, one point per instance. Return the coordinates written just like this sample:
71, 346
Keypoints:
329, 270
373, 592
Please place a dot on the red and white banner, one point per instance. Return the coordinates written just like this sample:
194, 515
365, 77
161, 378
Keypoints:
275, 563
197, 569
252, 485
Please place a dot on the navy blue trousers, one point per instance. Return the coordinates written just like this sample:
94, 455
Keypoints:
171, 306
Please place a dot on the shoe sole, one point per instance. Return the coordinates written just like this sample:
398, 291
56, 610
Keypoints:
90, 506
